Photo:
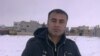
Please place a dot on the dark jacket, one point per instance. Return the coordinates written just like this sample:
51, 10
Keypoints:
40, 45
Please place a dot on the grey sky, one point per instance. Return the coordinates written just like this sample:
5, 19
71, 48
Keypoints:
81, 12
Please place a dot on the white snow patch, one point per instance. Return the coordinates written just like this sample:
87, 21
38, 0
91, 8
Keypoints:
11, 45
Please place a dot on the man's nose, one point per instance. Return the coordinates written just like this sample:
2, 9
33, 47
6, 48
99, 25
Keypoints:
57, 24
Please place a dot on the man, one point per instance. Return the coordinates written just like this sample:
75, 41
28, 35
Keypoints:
51, 41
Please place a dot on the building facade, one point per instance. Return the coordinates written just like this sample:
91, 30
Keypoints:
26, 28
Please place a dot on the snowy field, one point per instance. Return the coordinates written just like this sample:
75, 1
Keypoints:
14, 45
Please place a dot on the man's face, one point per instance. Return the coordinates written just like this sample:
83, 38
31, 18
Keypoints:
57, 24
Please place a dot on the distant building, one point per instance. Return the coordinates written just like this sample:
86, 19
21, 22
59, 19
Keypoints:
44, 25
26, 28
3, 30
96, 31
80, 31
67, 31
83, 30
73, 31
12, 31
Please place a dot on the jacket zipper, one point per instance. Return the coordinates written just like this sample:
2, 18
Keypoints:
55, 48
51, 47
58, 49
44, 53
60, 46
65, 53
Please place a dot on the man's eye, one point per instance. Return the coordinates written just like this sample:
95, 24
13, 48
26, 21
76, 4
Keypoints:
53, 20
61, 21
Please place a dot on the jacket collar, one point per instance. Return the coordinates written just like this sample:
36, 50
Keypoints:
61, 41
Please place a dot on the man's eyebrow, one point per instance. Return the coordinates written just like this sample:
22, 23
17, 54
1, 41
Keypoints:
53, 18
61, 19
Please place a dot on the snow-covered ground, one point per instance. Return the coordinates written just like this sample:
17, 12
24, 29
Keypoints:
14, 45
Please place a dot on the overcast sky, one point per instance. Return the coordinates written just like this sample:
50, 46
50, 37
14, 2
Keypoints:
81, 12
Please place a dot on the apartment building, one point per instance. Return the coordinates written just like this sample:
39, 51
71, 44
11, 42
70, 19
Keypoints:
26, 28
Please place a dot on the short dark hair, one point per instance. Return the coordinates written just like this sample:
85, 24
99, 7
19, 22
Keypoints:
58, 11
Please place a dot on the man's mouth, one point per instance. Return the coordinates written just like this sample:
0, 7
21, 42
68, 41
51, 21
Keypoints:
56, 30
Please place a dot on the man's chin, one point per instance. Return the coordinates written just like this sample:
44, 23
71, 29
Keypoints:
57, 34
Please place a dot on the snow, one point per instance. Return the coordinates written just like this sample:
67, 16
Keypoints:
11, 45
88, 46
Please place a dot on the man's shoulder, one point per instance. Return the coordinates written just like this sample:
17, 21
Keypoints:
69, 40
32, 40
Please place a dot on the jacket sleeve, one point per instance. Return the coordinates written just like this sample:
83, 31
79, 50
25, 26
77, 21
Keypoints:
27, 51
